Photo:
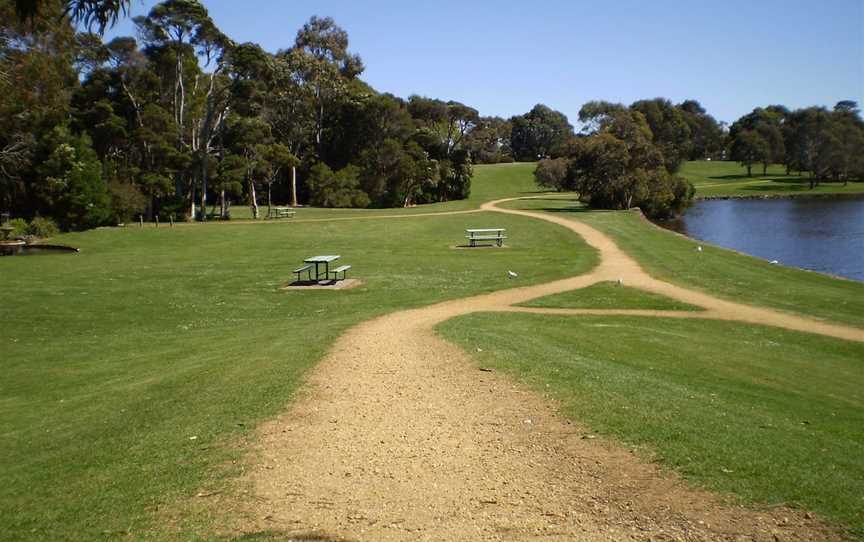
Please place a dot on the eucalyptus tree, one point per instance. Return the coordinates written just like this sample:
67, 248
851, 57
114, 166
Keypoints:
706, 134
540, 133
325, 65
618, 167
184, 31
92, 13
671, 132
749, 147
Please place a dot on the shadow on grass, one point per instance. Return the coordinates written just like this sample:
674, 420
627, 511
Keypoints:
773, 179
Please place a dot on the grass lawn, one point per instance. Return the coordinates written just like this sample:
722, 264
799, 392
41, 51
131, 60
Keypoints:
768, 415
610, 295
672, 257
717, 178
131, 370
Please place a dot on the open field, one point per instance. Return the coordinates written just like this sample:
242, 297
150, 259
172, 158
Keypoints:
768, 415
115, 358
729, 179
134, 370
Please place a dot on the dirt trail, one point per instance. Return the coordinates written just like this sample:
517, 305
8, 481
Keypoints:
398, 436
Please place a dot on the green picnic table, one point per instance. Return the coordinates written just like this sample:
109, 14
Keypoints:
485, 234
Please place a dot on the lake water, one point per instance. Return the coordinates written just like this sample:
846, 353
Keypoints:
820, 234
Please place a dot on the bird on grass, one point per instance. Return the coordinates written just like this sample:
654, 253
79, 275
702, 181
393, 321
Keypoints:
699, 248
512, 274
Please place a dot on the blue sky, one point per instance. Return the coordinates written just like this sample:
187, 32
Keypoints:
503, 57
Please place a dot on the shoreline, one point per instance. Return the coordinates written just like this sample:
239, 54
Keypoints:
836, 195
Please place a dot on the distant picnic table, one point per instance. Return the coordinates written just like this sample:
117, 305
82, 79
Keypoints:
281, 212
485, 234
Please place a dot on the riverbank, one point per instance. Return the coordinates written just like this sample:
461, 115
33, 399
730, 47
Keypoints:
729, 180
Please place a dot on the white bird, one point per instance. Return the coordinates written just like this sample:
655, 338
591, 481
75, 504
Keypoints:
511, 274
699, 248
773, 262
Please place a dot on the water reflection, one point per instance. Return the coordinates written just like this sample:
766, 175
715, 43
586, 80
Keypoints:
825, 235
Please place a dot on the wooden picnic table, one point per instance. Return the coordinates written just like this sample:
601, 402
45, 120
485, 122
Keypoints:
485, 234
318, 261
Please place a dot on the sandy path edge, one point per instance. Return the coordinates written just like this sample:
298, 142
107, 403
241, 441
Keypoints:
397, 436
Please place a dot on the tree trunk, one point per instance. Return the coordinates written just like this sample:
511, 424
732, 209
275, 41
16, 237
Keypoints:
764, 169
749, 174
192, 204
293, 186
204, 190
254, 199
269, 199
222, 204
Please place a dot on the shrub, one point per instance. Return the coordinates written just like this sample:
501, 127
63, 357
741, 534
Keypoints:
20, 227
341, 188
43, 227
552, 173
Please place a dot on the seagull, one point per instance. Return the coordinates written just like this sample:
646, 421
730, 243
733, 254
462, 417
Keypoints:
511, 274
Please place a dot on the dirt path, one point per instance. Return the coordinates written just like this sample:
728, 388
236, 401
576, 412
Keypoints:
398, 436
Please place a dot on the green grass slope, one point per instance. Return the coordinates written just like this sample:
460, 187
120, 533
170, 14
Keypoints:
768, 415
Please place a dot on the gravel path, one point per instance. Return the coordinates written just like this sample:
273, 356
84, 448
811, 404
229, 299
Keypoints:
398, 436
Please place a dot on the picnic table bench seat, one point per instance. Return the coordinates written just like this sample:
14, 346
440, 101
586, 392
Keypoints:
341, 269
306, 268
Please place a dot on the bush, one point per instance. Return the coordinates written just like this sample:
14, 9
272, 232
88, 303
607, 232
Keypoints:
43, 227
552, 173
341, 188
21, 228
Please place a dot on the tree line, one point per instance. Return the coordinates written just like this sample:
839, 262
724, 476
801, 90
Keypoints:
629, 156
828, 145
184, 121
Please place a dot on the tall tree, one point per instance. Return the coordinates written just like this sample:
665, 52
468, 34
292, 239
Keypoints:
671, 132
748, 148
540, 133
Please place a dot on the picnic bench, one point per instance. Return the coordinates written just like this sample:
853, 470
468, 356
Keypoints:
485, 234
319, 268
305, 269
341, 269
281, 212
